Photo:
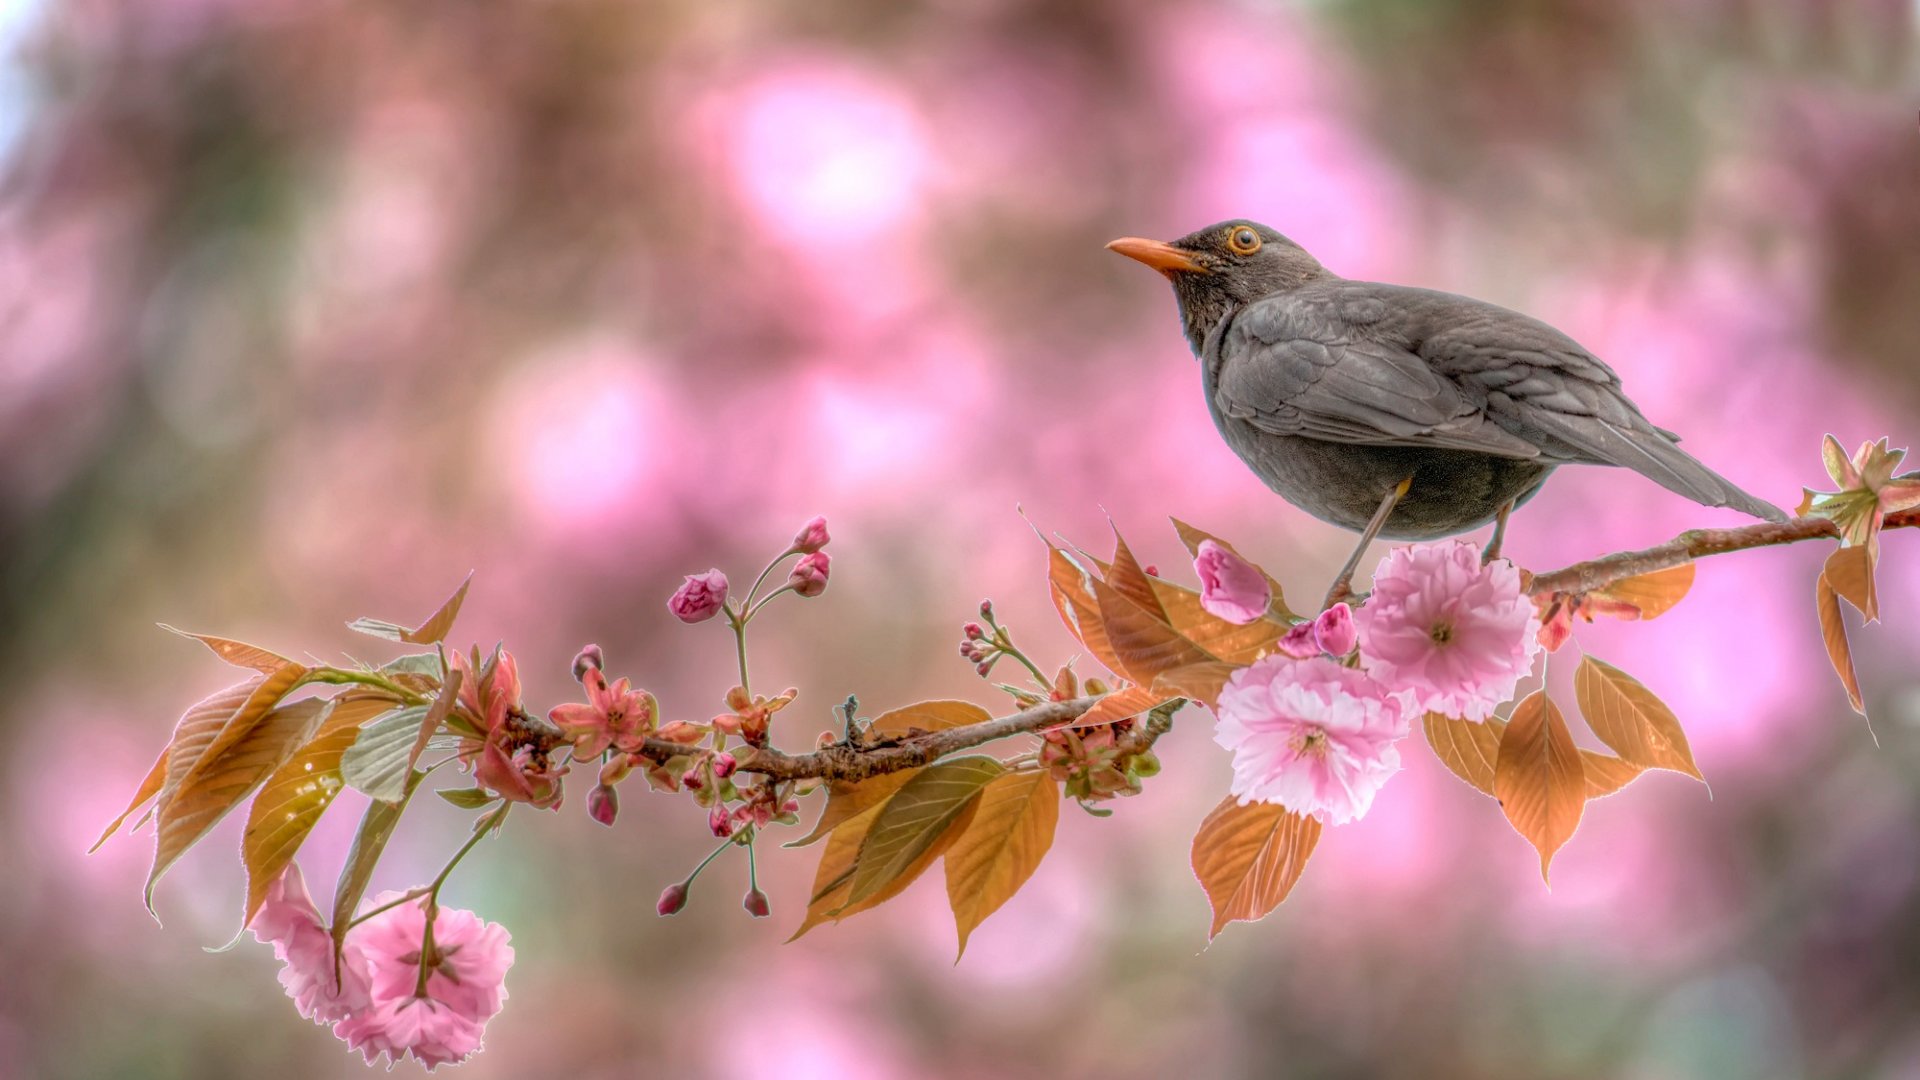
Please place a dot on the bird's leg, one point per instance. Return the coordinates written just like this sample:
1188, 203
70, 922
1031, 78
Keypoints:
1499, 534
1343, 584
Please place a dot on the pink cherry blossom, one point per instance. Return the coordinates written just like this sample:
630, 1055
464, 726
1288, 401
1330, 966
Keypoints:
1334, 631
1311, 735
464, 988
1231, 588
1457, 634
809, 577
614, 715
811, 537
288, 919
496, 749
700, 597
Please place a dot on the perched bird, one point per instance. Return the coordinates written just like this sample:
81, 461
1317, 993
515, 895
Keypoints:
1402, 412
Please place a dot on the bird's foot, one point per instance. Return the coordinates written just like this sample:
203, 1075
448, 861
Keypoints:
1499, 535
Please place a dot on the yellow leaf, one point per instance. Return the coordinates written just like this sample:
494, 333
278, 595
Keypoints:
1118, 705
916, 816
298, 792
237, 653
1011, 831
1249, 857
929, 716
1835, 632
1627, 716
1539, 778
1654, 594
1605, 773
1232, 643
1469, 750
1192, 537
217, 784
1850, 571
185, 768
1142, 643
846, 801
1200, 682
833, 880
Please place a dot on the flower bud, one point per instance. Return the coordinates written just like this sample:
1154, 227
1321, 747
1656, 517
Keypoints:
811, 537
986, 610
1334, 631
724, 764
720, 822
588, 659
679, 731
603, 804
691, 780
1231, 588
672, 899
1150, 570
1096, 687
974, 631
984, 669
700, 597
809, 577
1300, 642
756, 904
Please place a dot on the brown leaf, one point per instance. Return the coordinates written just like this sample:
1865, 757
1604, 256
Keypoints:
1249, 857
847, 801
156, 777
1850, 571
1118, 705
1191, 537
1605, 773
1653, 594
184, 768
1469, 750
916, 816
191, 734
1201, 682
833, 880
1232, 643
1539, 778
929, 716
1142, 643
1011, 831
298, 792
217, 784
1130, 581
1630, 719
1827, 600
376, 828
237, 653
442, 705
1078, 609
431, 632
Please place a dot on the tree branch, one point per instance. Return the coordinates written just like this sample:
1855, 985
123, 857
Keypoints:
1598, 573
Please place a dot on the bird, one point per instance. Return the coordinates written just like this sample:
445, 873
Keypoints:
1400, 412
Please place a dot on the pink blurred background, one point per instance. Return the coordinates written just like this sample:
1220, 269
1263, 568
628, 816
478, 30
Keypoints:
306, 310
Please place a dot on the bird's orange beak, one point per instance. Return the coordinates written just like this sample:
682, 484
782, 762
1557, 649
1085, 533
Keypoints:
1158, 254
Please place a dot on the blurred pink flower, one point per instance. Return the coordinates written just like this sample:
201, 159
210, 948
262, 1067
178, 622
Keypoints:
1311, 735
812, 536
495, 752
1458, 634
288, 919
1231, 588
809, 577
1334, 631
700, 597
611, 716
441, 1022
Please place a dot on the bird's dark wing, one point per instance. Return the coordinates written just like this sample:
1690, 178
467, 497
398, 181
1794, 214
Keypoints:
1541, 386
1292, 365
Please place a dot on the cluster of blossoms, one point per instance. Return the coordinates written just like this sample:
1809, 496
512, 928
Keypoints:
405, 982
1313, 726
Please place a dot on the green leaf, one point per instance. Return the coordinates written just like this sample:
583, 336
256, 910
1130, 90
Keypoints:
424, 663
379, 761
371, 839
916, 816
471, 798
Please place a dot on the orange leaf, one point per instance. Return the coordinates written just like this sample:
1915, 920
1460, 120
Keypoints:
237, 653
191, 734
430, 632
1630, 719
1605, 773
846, 801
1120, 704
1130, 581
1469, 750
1201, 682
1835, 632
217, 784
1233, 643
918, 816
1078, 609
1652, 594
298, 792
1192, 537
929, 716
1012, 830
833, 880
1539, 778
1248, 857
156, 777
1142, 643
185, 768
1850, 571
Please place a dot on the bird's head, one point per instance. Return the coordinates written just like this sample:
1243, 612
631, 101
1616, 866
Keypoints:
1223, 267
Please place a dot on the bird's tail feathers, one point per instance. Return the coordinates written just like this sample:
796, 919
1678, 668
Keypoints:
1653, 456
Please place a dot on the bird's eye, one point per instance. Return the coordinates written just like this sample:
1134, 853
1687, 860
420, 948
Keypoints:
1243, 241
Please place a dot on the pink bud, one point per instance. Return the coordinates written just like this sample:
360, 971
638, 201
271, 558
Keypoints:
984, 669
792, 806
1151, 570
809, 577
720, 822
603, 803
691, 780
672, 899
700, 597
1335, 632
1300, 642
986, 610
724, 764
588, 659
1231, 588
811, 537
756, 904
974, 631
